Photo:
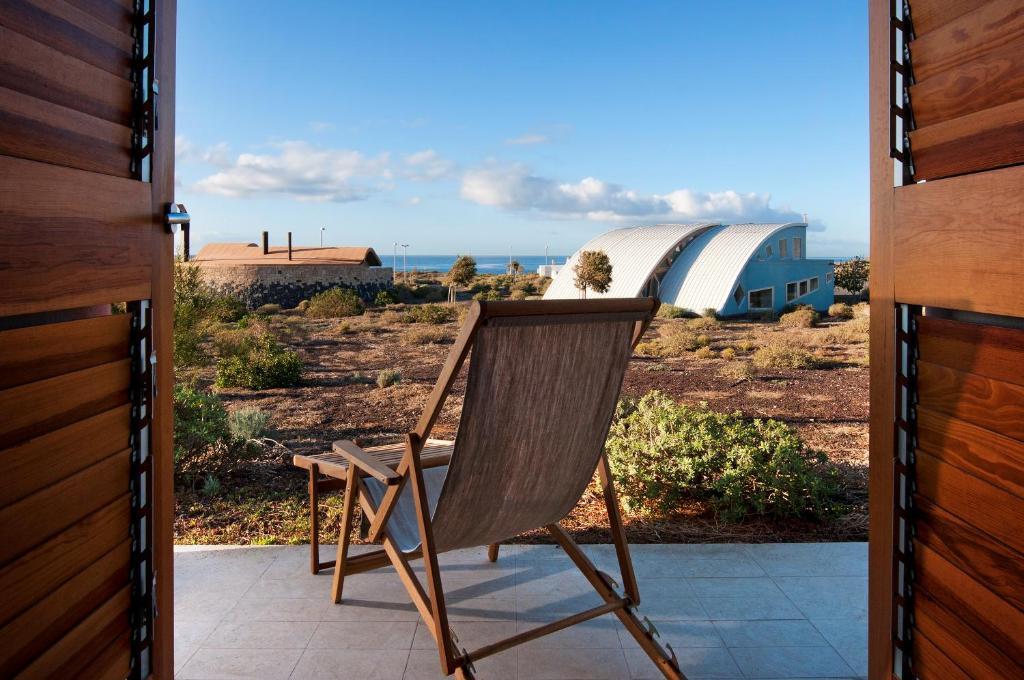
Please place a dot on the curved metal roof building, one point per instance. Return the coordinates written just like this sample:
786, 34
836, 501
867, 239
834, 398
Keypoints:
637, 254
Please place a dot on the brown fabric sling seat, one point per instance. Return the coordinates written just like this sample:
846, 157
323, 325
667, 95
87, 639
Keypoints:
542, 386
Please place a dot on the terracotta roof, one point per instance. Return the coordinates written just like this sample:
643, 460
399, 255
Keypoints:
251, 253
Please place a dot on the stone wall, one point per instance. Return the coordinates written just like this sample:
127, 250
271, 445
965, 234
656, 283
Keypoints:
288, 285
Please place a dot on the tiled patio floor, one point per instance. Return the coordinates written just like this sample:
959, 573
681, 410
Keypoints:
729, 611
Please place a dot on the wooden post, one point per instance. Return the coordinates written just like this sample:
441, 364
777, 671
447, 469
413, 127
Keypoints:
314, 520
289, 245
266, 243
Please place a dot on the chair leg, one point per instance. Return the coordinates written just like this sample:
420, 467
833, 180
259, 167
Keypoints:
492, 552
348, 509
314, 520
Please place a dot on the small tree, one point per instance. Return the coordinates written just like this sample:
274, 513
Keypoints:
462, 273
853, 274
594, 271
514, 268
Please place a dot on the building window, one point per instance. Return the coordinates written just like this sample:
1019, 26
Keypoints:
803, 288
783, 248
798, 289
763, 298
767, 251
798, 248
828, 277
738, 294
791, 292
813, 285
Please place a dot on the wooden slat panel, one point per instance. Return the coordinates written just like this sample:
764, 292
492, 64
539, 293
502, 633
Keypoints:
986, 455
56, 455
988, 139
34, 409
992, 404
50, 619
929, 15
45, 73
39, 352
965, 38
64, 118
982, 349
979, 555
115, 13
25, 138
960, 642
81, 643
32, 520
89, 20
38, 572
931, 663
992, 78
974, 226
112, 663
991, 510
53, 258
33, 20
992, 617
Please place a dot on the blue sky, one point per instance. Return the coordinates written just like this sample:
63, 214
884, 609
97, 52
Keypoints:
476, 126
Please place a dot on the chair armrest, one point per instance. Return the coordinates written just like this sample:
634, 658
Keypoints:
366, 462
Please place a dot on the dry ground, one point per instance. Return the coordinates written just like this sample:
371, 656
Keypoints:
828, 406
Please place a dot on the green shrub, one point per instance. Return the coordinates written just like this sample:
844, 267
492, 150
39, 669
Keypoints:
485, 295
429, 313
248, 423
800, 318
388, 377
781, 353
358, 378
840, 310
211, 486
667, 311
431, 293
226, 308
200, 424
259, 362
662, 453
385, 298
335, 303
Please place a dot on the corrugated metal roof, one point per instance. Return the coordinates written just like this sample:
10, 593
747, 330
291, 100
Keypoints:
635, 253
705, 274
250, 253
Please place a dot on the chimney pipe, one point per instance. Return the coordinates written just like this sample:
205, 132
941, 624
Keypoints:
266, 243
289, 245
184, 241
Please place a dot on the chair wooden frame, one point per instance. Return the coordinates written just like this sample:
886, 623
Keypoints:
430, 600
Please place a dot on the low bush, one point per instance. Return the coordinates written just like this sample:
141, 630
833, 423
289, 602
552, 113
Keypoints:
663, 453
429, 313
852, 332
248, 423
667, 311
385, 298
431, 293
862, 309
840, 310
704, 323
738, 370
800, 318
746, 345
782, 353
486, 295
203, 439
728, 354
259, 362
335, 303
426, 335
302, 306
226, 308
704, 353
650, 348
518, 294
268, 309
388, 377
709, 313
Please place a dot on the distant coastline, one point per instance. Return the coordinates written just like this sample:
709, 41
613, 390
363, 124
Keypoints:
485, 264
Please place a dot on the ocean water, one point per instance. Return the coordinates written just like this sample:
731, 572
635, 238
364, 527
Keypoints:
485, 264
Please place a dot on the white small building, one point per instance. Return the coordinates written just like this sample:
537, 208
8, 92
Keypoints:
549, 270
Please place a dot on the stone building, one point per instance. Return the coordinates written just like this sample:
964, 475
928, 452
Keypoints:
287, 275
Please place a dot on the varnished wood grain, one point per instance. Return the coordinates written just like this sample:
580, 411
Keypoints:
982, 349
931, 662
966, 37
992, 404
63, 118
114, 13
961, 222
34, 575
89, 19
38, 352
985, 140
986, 455
930, 15
25, 138
112, 663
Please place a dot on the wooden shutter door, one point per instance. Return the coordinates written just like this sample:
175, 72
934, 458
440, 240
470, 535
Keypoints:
947, 341
86, 494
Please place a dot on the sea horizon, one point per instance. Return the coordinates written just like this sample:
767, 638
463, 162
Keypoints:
498, 264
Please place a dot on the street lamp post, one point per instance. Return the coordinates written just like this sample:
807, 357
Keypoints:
322, 230
405, 262
394, 262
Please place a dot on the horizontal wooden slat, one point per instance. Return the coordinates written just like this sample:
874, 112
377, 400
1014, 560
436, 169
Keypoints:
992, 617
120, 35
46, 73
112, 663
39, 407
977, 554
992, 404
992, 78
38, 21
37, 573
961, 643
966, 37
988, 139
25, 138
47, 621
114, 13
71, 238
931, 662
982, 349
82, 642
974, 226
38, 352
34, 519
929, 15
64, 118
56, 455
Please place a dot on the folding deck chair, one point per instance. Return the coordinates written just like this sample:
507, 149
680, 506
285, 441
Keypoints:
542, 387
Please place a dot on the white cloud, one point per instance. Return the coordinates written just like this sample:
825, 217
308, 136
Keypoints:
302, 171
187, 150
426, 166
320, 126
528, 139
513, 187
